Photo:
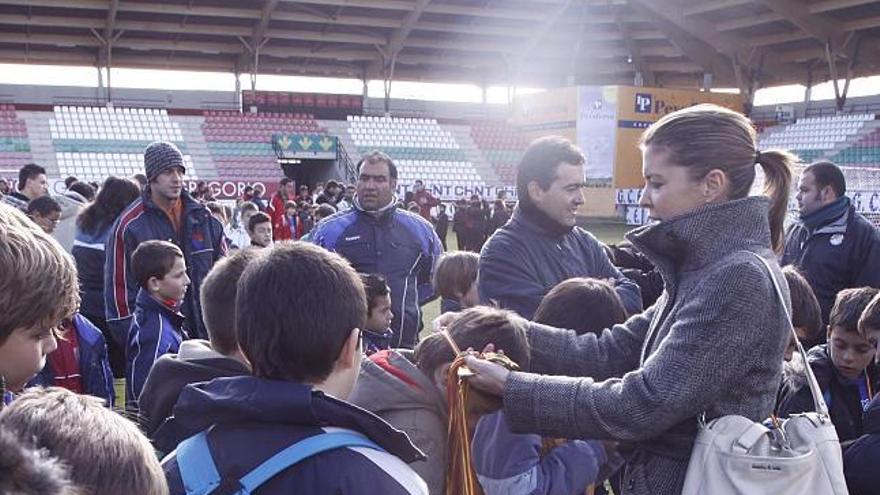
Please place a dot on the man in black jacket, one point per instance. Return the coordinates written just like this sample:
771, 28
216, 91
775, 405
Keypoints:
541, 245
831, 244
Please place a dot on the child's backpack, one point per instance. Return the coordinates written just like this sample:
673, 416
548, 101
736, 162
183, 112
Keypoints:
200, 476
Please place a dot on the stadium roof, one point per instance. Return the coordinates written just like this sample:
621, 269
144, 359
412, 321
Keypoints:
529, 42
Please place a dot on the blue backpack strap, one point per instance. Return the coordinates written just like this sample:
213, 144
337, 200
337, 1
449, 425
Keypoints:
299, 451
197, 469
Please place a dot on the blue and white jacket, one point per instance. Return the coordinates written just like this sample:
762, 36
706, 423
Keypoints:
251, 419
94, 367
156, 330
398, 244
201, 240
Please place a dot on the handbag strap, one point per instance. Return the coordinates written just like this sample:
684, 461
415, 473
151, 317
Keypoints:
815, 390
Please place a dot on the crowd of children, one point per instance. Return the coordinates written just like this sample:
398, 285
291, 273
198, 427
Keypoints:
295, 338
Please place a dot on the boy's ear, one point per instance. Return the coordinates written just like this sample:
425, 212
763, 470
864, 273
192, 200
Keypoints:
828, 333
153, 284
351, 350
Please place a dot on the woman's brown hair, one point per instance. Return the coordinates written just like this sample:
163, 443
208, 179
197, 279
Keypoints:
706, 137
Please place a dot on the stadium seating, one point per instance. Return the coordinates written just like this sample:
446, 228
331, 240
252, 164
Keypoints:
420, 147
15, 148
393, 132
811, 134
502, 146
94, 142
241, 144
864, 153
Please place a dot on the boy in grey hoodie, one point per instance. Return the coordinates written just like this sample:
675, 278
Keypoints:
411, 394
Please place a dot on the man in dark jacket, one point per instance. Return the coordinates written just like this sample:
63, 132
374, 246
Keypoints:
164, 212
831, 244
541, 245
298, 315
377, 237
32, 184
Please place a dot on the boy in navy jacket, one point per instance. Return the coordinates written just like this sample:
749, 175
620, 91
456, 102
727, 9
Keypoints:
157, 327
299, 313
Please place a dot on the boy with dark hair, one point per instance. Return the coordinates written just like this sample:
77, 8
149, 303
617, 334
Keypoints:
32, 184
45, 212
200, 360
806, 315
861, 458
157, 327
299, 315
259, 229
38, 289
411, 394
455, 280
377, 329
843, 367
507, 462
322, 211
581, 304
104, 452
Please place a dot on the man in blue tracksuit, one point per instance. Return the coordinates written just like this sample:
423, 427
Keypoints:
168, 213
834, 247
541, 245
377, 237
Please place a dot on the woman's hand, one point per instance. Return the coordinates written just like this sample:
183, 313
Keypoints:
488, 377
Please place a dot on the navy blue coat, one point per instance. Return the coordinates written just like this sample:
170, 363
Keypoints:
842, 397
398, 244
523, 260
842, 254
88, 252
862, 459
252, 419
201, 240
155, 330
94, 368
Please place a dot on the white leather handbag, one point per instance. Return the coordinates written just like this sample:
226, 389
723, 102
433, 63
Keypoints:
734, 455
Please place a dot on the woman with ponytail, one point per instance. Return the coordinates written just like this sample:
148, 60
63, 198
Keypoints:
712, 344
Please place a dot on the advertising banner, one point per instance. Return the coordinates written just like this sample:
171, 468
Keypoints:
596, 132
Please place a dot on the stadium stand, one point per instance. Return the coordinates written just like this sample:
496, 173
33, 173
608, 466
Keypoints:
240, 144
421, 147
812, 137
15, 149
501, 145
324, 106
94, 142
865, 152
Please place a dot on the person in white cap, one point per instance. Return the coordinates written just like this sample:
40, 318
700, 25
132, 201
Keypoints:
165, 211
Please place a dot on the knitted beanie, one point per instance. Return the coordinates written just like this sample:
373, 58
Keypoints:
159, 157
